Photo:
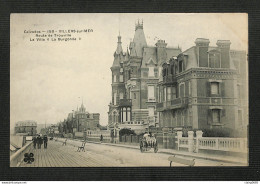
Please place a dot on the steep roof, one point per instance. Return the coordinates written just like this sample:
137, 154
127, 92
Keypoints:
139, 41
151, 53
118, 55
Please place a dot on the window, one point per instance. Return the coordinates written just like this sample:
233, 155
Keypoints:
189, 88
130, 97
150, 92
216, 115
114, 98
121, 95
238, 91
114, 79
173, 92
182, 90
164, 92
214, 60
214, 88
240, 117
164, 72
121, 70
159, 71
134, 95
156, 73
151, 111
151, 71
182, 117
121, 78
172, 69
181, 66
145, 74
168, 93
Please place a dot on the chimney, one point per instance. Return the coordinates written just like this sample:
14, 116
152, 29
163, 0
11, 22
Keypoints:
161, 43
224, 47
161, 51
224, 44
202, 45
202, 42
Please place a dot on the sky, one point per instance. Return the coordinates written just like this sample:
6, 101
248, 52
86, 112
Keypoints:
49, 79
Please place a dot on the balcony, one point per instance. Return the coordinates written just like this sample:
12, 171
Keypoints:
172, 104
125, 102
169, 79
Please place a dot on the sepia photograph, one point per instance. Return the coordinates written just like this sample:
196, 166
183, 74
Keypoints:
129, 89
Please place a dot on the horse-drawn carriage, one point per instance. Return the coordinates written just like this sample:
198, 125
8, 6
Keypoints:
147, 143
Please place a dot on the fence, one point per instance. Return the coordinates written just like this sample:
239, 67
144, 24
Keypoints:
17, 157
211, 143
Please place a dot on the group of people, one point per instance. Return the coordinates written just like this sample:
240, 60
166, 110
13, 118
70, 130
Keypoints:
149, 138
39, 140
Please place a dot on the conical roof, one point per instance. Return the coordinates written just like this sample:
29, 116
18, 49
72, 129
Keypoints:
118, 55
139, 42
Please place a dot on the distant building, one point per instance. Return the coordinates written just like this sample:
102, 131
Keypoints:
134, 81
83, 120
204, 87
26, 127
79, 121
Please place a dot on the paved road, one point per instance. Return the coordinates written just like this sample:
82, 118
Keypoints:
99, 155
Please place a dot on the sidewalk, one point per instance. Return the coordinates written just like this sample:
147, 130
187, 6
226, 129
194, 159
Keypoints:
220, 158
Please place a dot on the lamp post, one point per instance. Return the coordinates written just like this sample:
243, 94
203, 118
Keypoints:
72, 124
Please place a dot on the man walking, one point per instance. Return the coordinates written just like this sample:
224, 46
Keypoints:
34, 142
38, 140
45, 139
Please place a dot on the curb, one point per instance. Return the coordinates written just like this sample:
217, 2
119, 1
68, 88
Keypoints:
169, 153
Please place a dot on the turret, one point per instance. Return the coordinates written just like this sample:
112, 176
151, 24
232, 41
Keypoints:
139, 42
118, 55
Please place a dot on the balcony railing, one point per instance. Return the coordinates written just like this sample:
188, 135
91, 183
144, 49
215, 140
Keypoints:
125, 102
172, 104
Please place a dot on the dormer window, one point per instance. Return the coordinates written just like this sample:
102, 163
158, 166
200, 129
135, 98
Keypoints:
181, 68
214, 60
151, 71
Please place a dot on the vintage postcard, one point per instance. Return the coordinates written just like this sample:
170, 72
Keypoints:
128, 90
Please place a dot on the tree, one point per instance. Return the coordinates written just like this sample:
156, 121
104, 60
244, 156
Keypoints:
126, 131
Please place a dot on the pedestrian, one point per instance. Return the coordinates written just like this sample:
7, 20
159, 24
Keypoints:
101, 138
38, 139
41, 141
45, 139
34, 142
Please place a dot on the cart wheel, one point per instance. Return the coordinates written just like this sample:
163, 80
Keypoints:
141, 147
155, 149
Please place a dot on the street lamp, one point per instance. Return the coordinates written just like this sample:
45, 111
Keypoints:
72, 124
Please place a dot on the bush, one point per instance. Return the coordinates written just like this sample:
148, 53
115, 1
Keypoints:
217, 132
126, 131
